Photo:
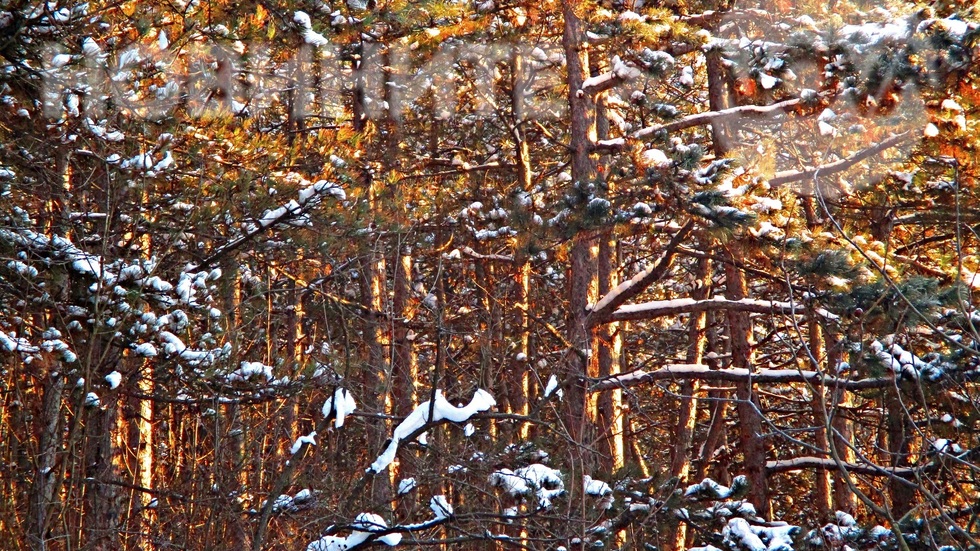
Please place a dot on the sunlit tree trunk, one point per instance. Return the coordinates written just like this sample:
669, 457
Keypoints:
719, 400
844, 498
814, 360
582, 134
404, 370
680, 463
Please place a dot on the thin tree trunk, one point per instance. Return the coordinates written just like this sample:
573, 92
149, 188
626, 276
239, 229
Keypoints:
680, 463
822, 488
521, 398
403, 365
719, 410
844, 498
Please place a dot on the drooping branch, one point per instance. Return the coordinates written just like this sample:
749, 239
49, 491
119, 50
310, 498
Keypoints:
602, 311
790, 176
700, 372
292, 212
468, 251
659, 308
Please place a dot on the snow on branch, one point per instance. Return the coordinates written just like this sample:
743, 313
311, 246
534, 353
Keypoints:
699, 119
468, 251
658, 308
294, 213
441, 410
790, 176
736, 375
369, 527
620, 72
711, 18
602, 311
827, 464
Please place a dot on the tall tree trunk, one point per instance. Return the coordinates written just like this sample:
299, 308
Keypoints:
844, 498
609, 344
403, 366
719, 410
751, 441
608, 340
582, 276
717, 100
42, 492
899, 445
102, 495
822, 489
680, 462
520, 399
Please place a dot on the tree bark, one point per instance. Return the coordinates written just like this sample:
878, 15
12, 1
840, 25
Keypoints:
818, 405
680, 462
582, 135
42, 492
751, 430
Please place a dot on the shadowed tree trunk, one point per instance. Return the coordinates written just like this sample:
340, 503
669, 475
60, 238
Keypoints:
42, 492
751, 431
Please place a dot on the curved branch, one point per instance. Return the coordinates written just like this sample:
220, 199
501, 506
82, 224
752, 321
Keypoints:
699, 119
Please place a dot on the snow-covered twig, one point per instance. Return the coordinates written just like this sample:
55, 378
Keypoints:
790, 176
736, 375
658, 308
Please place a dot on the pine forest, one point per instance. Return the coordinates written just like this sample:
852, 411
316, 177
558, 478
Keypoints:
324, 275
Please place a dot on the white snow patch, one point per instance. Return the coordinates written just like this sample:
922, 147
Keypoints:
341, 404
406, 485
543, 481
441, 410
306, 439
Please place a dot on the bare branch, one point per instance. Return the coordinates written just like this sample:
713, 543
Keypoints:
790, 176
827, 464
700, 372
699, 119
602, 311
659, 308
